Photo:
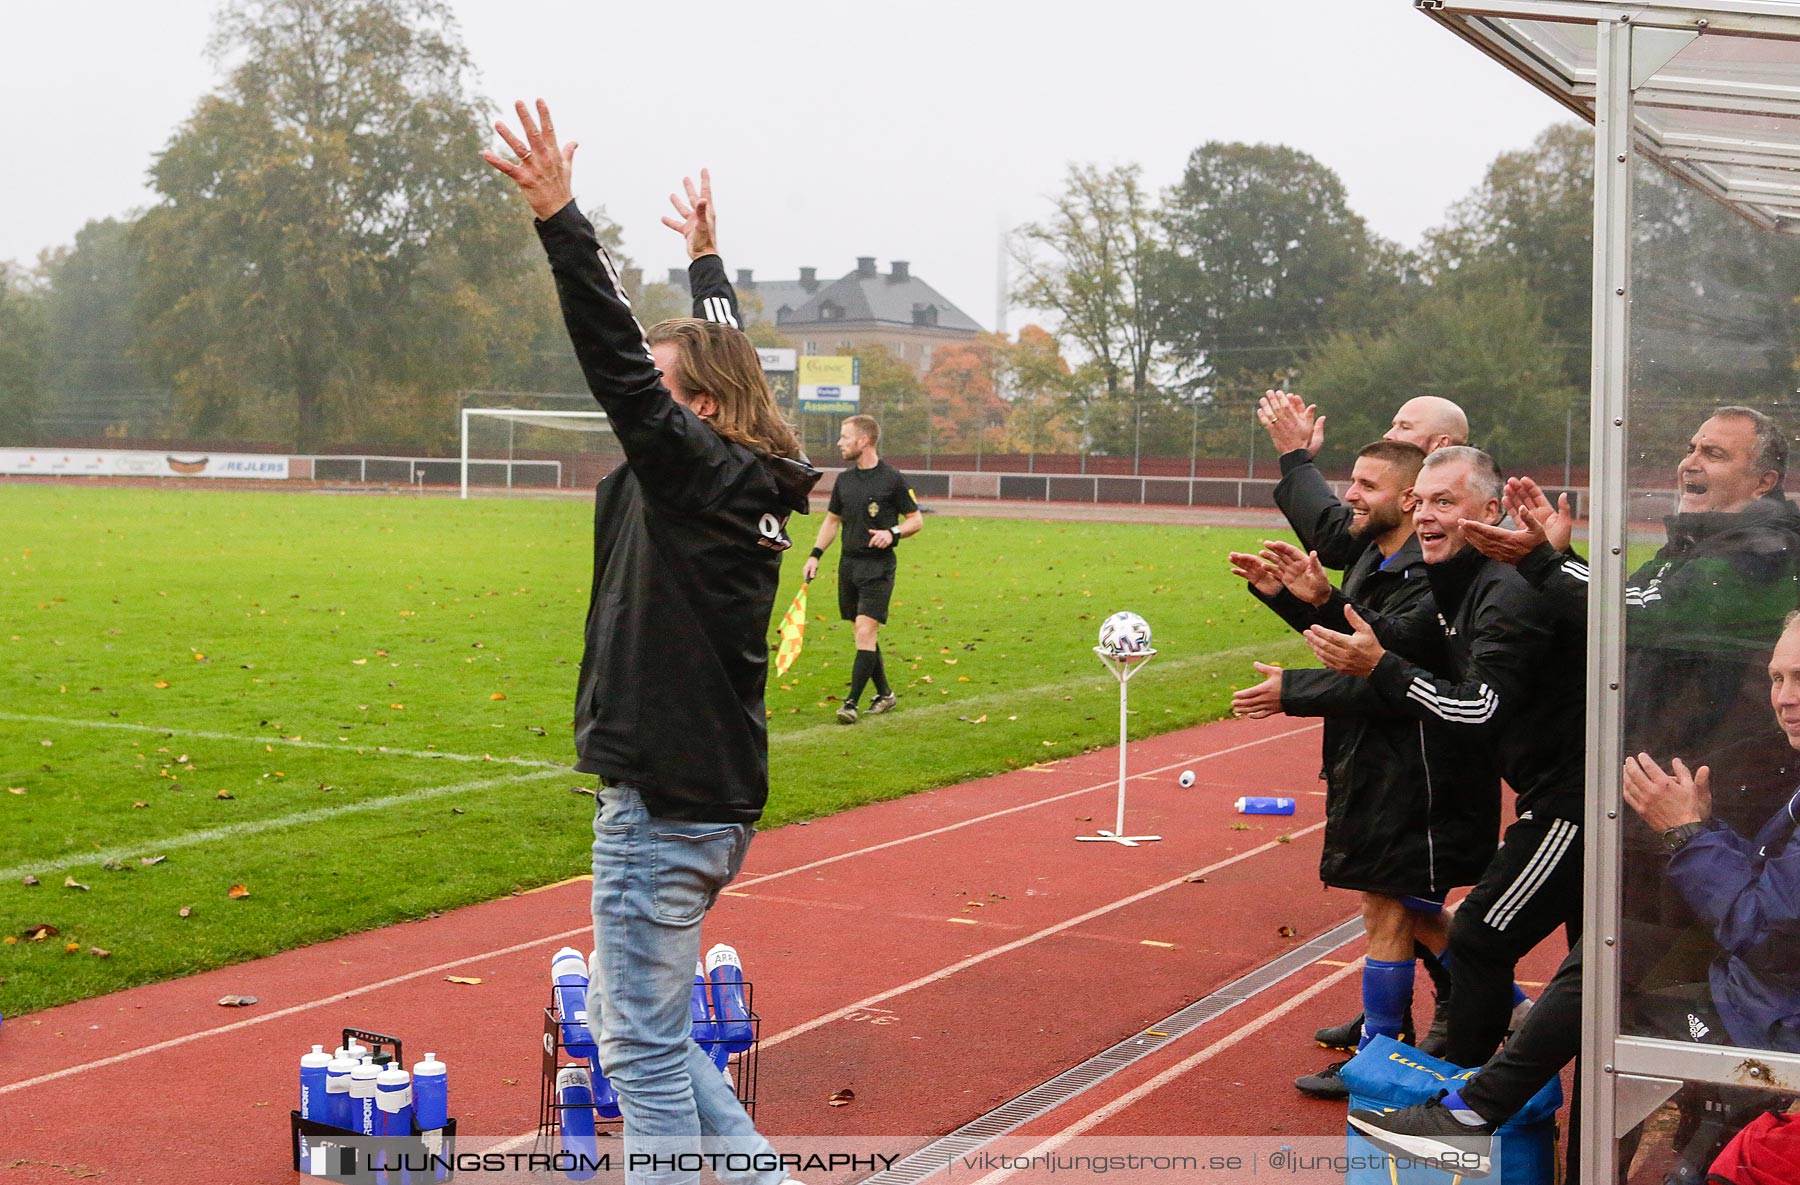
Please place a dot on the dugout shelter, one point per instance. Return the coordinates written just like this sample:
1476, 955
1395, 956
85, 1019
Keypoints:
1696, 111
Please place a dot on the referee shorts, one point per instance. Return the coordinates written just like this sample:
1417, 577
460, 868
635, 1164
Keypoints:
865, 585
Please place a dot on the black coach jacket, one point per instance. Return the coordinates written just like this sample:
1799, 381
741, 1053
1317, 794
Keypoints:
1407, 812
688, 539
1514, 678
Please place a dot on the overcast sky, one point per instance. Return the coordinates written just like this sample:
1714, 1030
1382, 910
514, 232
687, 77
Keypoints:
905, 131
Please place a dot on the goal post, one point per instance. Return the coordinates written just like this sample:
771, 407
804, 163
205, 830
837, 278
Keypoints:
533, 421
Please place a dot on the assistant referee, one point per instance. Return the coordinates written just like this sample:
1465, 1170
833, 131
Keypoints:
874, 507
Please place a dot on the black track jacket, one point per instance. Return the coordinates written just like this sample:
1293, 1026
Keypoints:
1409, 808
1516, 678
688, 539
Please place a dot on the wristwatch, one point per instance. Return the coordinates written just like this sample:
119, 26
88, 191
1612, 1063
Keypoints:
1676, 838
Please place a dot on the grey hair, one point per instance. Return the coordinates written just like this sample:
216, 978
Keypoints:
1771, 443
1484, 474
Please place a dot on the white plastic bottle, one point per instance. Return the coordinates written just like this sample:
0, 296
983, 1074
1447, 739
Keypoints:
362, 1096
337, 1092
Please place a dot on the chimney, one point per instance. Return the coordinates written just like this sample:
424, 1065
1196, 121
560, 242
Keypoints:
744, 280
809, 278
901, 272
678, 277
865, 267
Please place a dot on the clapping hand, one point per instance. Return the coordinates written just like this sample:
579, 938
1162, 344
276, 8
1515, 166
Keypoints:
1538, 523
1354, 653
1291, 422
1666, 800
698, 223
542, 170
1300, 570
1264, 699
1261, 574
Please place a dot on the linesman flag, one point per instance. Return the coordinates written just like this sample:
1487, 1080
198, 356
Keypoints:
793, 633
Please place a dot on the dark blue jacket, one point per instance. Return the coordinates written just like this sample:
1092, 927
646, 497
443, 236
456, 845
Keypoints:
1748, 892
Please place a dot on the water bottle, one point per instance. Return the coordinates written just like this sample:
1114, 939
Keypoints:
362, 1096
430, 1096
1265, 806
569, 973
576, 1094
337, 1092
700, 1012
393, 1113
731, 1012
314, 1068
606, 1098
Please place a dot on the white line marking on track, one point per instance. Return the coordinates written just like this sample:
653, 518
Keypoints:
565, 935
188, 839
334, 746
1144, 1089
1109, 784
1006, 948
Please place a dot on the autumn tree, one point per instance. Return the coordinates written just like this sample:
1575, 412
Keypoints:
963, 387
1038, 387
21, 353
329, 256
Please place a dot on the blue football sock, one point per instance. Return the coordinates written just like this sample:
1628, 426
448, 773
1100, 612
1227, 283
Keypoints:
1519, 996
1453, 1103
1387, 998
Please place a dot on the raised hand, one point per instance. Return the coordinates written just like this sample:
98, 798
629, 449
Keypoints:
1261, 575
1300, 570
1264, 699
1291, 422
543, 169
1498, 543
1526, 501
697, 222
1666, 800
1349, 654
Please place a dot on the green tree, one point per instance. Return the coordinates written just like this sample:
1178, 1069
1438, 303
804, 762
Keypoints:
1262, 246
1487, 347
329, 256
94, 380
21, 353
1094, 266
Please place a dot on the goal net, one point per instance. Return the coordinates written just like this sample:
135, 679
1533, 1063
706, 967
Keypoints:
535, 448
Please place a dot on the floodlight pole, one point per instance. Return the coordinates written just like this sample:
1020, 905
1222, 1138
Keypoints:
1123, 667
465, 454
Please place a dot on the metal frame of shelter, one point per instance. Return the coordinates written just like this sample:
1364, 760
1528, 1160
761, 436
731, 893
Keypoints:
1659, 82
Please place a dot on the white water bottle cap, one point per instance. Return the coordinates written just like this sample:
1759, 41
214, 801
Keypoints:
430, 1066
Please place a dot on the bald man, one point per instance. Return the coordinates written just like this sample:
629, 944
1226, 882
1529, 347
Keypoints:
1320, 520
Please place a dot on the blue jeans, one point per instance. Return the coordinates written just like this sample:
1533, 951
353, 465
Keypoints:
654, 879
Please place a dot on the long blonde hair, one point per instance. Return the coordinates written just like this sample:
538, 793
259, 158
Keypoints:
719, 361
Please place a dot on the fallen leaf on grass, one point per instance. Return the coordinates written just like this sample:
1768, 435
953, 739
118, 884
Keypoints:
237, 891
98, 953
581, 790
41, 931
468, 979
71, 948
842, 1098
138, 806
113, 866
160, 684
70, 882
10, 940
147, 861
456, 810
226, 795
15, 789
498, 695
29, 880
236, 1001
184, 911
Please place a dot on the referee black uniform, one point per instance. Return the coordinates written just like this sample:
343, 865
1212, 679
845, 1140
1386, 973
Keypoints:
869, 500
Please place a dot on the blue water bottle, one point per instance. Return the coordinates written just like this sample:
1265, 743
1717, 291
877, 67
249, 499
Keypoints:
314, 1067
568, 971
337, 1092
430, 1094
362, 1097
1265, 806
393, 1112
575, 1092
700, 1012
731, 1012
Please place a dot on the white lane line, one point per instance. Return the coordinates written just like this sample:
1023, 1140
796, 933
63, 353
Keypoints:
565, 935
1006, 948
1143, 1090
188, 839
333, 746
1111, 783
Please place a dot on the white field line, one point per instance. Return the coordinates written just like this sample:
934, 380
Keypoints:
334, 746
1110, 783
565, 935
253, 826
1143, 1090
1006, 948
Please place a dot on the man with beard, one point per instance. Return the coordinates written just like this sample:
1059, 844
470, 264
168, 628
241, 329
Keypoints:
1513, 684
1407, 816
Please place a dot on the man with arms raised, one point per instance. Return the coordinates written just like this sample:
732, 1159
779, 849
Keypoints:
1320, 520
688, 539
1408, 814
1513, 682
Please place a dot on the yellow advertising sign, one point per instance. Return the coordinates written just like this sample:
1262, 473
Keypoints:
835, 372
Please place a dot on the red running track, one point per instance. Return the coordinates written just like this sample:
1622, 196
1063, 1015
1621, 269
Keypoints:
937, 955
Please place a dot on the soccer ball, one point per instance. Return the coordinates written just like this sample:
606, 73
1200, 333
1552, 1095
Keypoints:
1125, 633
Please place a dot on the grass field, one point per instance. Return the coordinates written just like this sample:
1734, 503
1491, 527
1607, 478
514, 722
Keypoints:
358, 709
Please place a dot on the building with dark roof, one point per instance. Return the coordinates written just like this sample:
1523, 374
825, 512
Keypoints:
895, 309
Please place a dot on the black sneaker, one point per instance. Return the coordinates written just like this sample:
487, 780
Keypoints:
847, 714
1345, 1036
883, 703
1326, 1084
1427, 1132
